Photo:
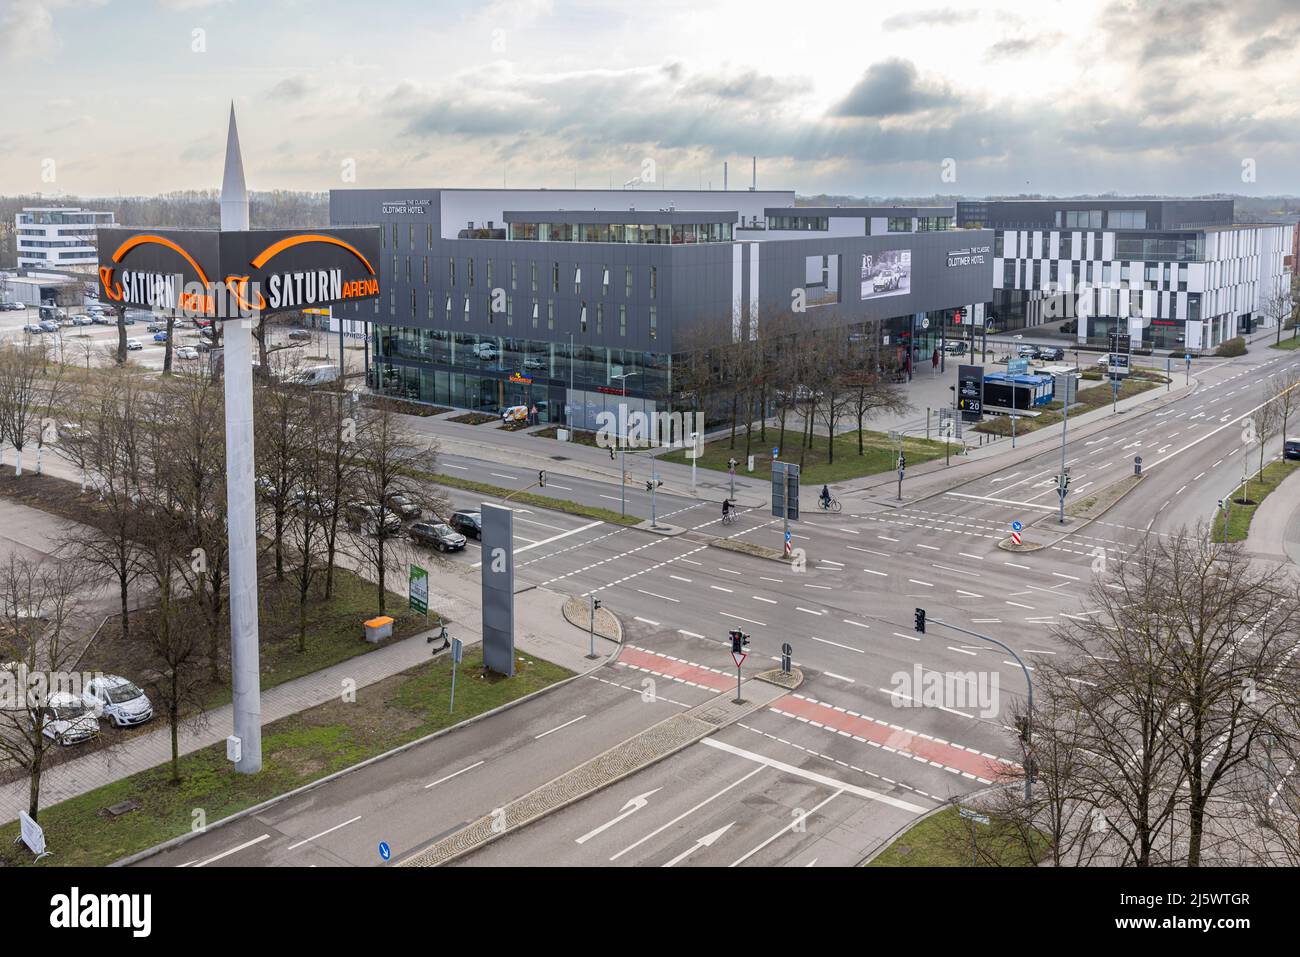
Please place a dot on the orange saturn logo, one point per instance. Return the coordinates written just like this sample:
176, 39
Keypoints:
270, 252
114, 290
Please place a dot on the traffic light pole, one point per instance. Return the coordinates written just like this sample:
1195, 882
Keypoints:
1029, 718
1062, 482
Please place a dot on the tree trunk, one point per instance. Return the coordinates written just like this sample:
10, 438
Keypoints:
380, 570
302, 618
735, 411
121, 335
167, 346
18, 462
34, 787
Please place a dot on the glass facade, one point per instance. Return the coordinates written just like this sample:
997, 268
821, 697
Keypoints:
621, 232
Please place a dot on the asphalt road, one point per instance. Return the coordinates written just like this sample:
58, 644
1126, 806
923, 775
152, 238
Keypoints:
828, 773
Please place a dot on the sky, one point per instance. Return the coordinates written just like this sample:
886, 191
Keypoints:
881, 98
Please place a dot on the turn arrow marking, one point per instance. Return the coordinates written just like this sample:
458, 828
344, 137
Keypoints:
706, 841
630, 808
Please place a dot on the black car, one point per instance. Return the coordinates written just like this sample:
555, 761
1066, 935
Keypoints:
299, 334
468, 522
404, 507
1050, 353
442, 537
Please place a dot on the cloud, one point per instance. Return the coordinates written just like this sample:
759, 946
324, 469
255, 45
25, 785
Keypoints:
938, 17
289, 89
1018, 46
891, 88
749, 86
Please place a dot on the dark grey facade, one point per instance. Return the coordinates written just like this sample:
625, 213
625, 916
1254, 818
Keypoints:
442, 334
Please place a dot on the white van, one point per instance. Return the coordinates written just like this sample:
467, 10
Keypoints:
316, 375
515, 413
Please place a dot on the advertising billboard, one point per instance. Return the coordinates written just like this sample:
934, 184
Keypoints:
237, 274
886, 273
970, 392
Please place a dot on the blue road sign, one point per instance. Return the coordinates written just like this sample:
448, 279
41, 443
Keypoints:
384, 850
775, 451
787, 536
1188, 357
1016, 526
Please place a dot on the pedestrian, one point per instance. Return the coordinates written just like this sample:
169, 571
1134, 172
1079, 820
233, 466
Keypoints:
934, 362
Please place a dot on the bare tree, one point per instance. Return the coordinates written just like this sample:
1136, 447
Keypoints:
21, 395
279, 414
37, 607
1286, 396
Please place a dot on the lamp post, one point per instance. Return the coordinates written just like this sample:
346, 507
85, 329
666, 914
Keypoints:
622, 445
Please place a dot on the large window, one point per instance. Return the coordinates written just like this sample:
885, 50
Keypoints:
1083, 218
900, 224
1126, 219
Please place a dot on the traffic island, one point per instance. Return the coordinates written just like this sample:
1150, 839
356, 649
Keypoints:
789, 680
748, 548
660, 529
577, 612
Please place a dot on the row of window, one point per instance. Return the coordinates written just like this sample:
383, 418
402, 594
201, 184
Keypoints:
820, 223
590, 317
558, 272
674, 234
1092, 272
1135, 248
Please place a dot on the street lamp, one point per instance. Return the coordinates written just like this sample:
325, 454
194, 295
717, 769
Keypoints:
622, 445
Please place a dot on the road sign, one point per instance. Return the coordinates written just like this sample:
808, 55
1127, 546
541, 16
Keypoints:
457, 650
418, 590
973, 816
384, 850
31, 834
787, 653
1016, 526
1017, 366
739, 657
776, 450
789, 544
785, 490
1015, 538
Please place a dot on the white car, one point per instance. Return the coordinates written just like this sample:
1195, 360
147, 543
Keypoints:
187, 352
66, 719
485, 351
134, 345
118, 700
81, 319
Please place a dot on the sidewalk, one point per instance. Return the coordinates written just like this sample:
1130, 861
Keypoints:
1275, 527
540, 630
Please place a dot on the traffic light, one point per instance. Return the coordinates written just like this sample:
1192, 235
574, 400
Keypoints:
652, 484
738, 642
1022, 729
611, 453
920, 621
595, 604
902, 461
541, 478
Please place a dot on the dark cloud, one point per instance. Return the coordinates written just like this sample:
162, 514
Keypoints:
939, 17
1284, 42
289, 89
892, 88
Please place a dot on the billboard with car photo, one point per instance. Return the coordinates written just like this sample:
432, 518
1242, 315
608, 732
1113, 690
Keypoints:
886, 273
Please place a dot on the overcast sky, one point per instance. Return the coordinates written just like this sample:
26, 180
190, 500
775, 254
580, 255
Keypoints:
1045, 96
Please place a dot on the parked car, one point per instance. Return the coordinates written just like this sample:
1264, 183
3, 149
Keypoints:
468, 522
134, 345
299, 334
1026, 351
82, 319
1291, 447
1050, 353
160, 337
365, 517
485, 351
155, 326
49, 325
187, 352
404, 507
101, 319
33, 328
11, 307
66, 719
118, 700
442, 537
204, 344
954, 347
534, 363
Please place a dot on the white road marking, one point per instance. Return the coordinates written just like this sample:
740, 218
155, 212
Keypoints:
826, 641
553, 538
675, 601
233, 850
727, 614
323, 833
796, 823
871, 571
684, 815
761, 598
454, 773
559, 727
646, 621
849, 621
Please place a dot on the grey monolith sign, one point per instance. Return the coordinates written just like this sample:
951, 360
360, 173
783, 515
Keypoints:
498, 574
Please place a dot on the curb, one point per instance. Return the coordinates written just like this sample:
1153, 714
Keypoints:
302, 789
889, 842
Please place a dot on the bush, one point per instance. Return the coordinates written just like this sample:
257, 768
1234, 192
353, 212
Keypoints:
1231, 347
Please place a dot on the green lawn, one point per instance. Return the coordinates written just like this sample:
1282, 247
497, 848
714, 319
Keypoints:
1257, 489
943, 840
879, 455
532, 498
296, 751
1291, 343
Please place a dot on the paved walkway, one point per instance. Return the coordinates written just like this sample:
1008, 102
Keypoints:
1275, 526
542, 631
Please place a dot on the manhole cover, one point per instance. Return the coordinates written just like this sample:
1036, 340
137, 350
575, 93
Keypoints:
117, 810
713, 715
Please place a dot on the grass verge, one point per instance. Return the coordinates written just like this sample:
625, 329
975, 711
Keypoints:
1094, 397
1256, 489
296, 751
474, 418
532, 498
1287, 344
879, 454
944, 840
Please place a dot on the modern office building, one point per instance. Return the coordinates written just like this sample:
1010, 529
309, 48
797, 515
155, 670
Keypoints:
1172, 274
494, 298
58, 237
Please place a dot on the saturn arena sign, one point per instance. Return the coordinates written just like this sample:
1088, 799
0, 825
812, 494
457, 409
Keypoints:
236, 275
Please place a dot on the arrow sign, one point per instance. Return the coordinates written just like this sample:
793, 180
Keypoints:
630, 808
706, 841
1016, 526
739, 657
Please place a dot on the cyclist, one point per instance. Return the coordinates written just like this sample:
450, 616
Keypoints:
726, 509
826, 497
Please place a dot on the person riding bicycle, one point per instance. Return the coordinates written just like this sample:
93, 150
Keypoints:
826, 497
726, 509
